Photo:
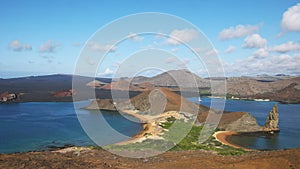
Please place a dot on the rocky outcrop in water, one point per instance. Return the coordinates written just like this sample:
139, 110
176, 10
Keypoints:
271, 124
8, 97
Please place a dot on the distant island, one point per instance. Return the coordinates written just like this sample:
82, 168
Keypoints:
281, 88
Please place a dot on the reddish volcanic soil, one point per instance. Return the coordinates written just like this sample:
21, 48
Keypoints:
175, 159
64, 93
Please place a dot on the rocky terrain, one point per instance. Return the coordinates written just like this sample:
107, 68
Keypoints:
285, 89
64, 93
182, 78
235, 121
170, 101
147, 101
55, 88
272, 121
126, 86
288, 94
100, 159
141, 100
103, 104
8, 97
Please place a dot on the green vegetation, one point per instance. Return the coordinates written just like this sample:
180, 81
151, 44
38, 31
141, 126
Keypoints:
204, 91
229, 96
147, 144
95, 147
168, 123
190, 142
174, 128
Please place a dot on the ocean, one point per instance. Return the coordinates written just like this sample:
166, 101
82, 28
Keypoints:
38, 126
289, 120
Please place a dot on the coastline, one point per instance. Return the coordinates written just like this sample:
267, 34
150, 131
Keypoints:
151, 129
222, 137
147, 127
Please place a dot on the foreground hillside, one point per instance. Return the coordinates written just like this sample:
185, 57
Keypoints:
91, 158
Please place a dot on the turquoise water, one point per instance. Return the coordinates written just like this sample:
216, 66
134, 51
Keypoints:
39, 126
289, 123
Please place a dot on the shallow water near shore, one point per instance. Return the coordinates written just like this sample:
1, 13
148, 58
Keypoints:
289, 120
44, 125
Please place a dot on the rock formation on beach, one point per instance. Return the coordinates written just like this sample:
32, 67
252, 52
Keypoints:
271, 124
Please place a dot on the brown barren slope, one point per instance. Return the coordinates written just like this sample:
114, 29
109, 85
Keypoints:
289, 94
174, 102
86, 158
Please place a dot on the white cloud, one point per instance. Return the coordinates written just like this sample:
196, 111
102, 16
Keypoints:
199, 50
116, 64
212, 52
16, 46
49, 47
261, 53
273, 64
180, 63
291, 19
174, 50
181, 36
160, 36
286, 47
107, 72
230, 49
238, 31
170, 60
135, 37
97, 47
254, 41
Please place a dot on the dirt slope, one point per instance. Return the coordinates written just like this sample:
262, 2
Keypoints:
99, 159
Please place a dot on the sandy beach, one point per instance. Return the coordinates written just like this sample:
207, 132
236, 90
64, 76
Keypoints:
222, 136
151, 128
149, 124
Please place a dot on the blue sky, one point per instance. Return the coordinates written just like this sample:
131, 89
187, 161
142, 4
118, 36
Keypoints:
250, 37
